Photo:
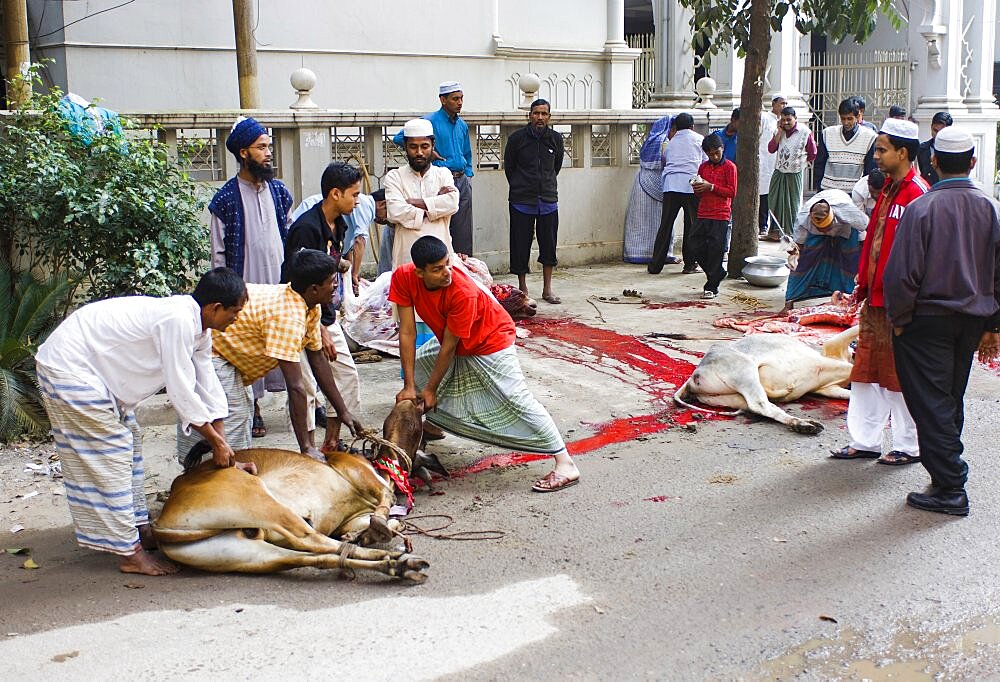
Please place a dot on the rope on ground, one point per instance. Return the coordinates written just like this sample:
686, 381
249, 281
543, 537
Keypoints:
599, 313
411, 528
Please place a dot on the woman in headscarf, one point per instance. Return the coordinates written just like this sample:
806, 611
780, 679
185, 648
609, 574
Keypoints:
645, 202
828, 233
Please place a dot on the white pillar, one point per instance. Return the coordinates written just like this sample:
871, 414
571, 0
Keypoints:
727, 69
620, 59
954, 51
674, 87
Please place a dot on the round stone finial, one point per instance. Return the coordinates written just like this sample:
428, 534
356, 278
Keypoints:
529, 83
705, 86
303, 79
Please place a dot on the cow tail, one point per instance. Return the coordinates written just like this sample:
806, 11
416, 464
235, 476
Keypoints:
679, 399
194, 455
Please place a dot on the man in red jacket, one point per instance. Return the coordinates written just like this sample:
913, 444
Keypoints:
875, 391
715, 186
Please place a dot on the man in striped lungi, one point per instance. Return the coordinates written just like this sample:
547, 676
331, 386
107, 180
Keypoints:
94, 369
469, 378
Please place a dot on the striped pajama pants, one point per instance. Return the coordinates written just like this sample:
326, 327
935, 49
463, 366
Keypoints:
100, 448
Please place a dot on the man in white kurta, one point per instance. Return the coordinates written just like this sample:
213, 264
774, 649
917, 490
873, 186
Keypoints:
420, 198
96, 367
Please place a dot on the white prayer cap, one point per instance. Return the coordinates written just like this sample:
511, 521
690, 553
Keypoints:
448, 87
953, 140
896, 127
418, 127
776, 96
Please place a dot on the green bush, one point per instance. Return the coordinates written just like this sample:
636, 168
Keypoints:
117, 216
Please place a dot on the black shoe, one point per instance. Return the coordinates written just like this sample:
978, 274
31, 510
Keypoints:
321, 417
952, 501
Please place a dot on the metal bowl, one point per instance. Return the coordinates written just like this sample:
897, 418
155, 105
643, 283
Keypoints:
765, 271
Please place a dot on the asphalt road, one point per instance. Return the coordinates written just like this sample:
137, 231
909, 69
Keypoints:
731, 548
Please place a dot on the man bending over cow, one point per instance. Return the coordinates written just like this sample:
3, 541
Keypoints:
469, 376
93, 370
278, 322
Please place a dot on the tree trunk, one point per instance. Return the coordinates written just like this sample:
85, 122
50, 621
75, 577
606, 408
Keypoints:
746, 202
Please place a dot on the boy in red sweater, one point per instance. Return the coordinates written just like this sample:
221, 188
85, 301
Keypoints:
715, 186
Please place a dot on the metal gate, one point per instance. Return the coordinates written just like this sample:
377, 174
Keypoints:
642, 68
881, 77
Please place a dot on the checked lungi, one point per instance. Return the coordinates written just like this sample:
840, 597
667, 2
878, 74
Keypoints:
485, 398
100, 448
237, 423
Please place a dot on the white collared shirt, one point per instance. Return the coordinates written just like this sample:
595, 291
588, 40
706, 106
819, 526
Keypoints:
133, 346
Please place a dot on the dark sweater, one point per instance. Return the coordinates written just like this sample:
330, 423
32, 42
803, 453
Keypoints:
945, 257
310, 231
531, 163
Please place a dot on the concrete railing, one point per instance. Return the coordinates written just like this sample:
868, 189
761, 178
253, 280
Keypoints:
601, 162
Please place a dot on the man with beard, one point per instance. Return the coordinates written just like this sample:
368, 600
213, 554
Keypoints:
531, 161
419, 200
453, 151
876, 396
250, 219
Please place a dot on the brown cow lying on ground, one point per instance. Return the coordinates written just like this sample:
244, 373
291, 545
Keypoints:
295, 512
748, 373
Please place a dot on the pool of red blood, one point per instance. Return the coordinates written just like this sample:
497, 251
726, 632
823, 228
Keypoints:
631, 360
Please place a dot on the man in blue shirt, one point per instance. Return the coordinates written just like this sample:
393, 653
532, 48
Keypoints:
728, 135
453, 150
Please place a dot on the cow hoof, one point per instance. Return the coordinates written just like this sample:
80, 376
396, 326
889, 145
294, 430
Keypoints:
415, 577
807, 427
378, 531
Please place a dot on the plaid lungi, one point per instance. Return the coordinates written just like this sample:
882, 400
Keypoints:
485, 398
237, 423
100, 448
874, 361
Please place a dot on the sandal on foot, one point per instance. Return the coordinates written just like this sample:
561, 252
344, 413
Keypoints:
898, 458
845, 453
553, 482
553, 299
257, 428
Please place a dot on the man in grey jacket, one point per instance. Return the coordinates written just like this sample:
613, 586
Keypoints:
942, 293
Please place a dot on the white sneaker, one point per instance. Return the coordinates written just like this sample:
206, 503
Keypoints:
708, 294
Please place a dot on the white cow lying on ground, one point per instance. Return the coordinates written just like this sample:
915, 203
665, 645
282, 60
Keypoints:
749, 373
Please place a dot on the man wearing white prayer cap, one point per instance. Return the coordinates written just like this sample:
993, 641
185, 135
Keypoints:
876, 395
420, 198
942, 294
453, 151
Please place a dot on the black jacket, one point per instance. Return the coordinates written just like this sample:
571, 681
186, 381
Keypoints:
531, 164
927, 171
310, 231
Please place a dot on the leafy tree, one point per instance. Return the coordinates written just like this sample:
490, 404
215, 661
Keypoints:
81, 219
748, 25
115, 214
26, 318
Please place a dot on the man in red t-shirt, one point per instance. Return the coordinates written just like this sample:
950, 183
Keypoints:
471, 381
715, 186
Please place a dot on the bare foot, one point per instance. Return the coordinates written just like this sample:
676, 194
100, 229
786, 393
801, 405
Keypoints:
145, 563
146, 537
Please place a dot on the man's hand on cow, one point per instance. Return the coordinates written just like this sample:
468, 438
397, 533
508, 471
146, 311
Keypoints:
223, 455
352, 423
311, 451
429, 399
329, 350
408, 393
989, 347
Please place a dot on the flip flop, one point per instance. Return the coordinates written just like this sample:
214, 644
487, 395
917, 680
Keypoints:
553, 482
898, 458
257, 428
845, 453
554, 300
